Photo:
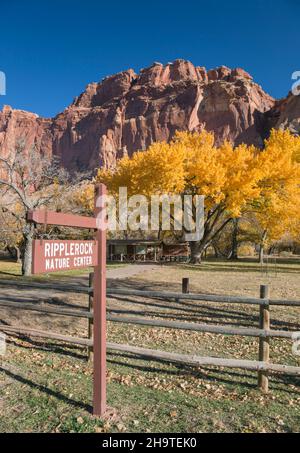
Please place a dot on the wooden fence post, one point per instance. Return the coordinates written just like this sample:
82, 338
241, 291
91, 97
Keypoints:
264, 343
90, 321
185, 285
99, 306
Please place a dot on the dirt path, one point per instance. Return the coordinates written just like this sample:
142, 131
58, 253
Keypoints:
130, 271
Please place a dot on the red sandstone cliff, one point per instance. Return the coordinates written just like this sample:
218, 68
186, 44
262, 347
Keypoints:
128, 111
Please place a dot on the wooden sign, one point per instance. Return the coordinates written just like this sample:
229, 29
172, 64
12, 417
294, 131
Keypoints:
51, 256
54, 256
62, 219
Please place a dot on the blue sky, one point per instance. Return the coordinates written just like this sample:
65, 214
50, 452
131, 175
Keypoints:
50, 50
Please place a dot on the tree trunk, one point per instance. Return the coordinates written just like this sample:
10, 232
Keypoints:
211, 231
28, 233
216, 251
18, 255
15, 253
197, 249
261, 254
262, 247
234, 243
11, 251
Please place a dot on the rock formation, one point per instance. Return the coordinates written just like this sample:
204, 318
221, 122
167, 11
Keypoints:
128, 111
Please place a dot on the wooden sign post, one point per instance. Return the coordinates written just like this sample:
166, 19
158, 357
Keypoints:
53, 256
99, 306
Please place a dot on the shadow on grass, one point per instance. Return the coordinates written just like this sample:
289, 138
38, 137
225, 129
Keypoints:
44, 389
181, 370
243, 269
10, 274
53, 348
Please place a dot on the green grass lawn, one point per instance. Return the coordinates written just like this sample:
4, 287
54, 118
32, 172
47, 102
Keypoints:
49, 389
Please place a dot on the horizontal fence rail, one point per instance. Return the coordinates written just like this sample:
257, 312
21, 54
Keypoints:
202, 297
182, 296
208, 328
47, 335
153, 354
77, 313
197, 327
59, 287
195, 360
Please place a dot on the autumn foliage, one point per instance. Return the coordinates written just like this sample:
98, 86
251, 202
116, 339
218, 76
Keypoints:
236, 181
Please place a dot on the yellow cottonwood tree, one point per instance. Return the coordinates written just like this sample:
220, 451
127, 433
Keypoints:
192, 164
276, 212
234, 181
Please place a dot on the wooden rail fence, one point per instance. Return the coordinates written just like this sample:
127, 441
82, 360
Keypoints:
263, 365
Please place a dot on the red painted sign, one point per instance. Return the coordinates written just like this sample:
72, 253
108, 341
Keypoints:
54, 256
